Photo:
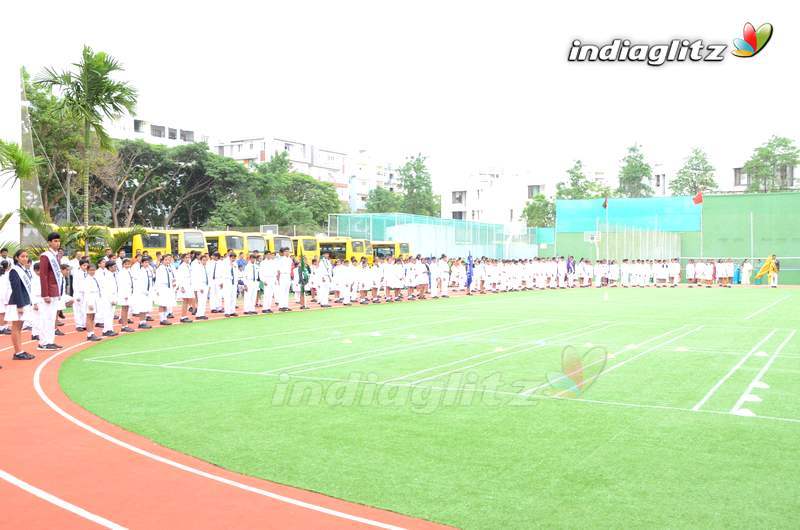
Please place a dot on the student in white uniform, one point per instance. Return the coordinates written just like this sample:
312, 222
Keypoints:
675, 272
165, 289
183, 287
268, 274
201, 284
216, 272
125, 283
91, 294
78, 277
230, 285
142, 291
284, 273
36, 298
324, 280
108, 300
746, 272
250, 274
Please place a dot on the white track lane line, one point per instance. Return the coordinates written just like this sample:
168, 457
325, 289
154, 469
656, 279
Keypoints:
57, 501
575, 334
760, 375
183, 467
733, 370
776, 302
483, 354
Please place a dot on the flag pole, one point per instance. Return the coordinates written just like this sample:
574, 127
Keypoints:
606, 228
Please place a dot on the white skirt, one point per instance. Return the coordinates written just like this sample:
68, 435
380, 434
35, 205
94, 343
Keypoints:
165, 298
91, 304
12, 315
141, 303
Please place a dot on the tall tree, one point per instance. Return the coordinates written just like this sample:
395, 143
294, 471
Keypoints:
635, 174
539, 211
697, 174
89, 94
381, 200
577, 186
418, 197
768, 166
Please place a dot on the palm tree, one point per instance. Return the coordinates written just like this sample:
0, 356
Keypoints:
16, 162
88, 95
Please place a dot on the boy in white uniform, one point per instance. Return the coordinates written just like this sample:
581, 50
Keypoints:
78, 277
343, 276
268, 274
250, 285
675, 272
216, 271
109, 287
324, 280
91, 294
284, 272
230, 284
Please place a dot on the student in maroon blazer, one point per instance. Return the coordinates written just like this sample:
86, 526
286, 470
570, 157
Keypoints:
51, 281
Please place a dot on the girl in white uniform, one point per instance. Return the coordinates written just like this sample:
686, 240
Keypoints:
183, 283
91, 297
165, 289
125, 293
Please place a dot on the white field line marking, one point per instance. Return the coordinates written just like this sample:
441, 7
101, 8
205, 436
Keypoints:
535, 389
732, 371
224, 341
61, 503
289, 345
575, 334
776, 302
360, 356
482, 354
448, 389
183, 467
760, 375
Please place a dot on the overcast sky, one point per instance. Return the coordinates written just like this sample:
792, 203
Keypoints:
470, 84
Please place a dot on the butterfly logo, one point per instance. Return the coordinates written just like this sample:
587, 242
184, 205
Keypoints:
578, 372
754, 40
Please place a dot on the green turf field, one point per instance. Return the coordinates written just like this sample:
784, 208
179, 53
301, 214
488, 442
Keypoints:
426, 408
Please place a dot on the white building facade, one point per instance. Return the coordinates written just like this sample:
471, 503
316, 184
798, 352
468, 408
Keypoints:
493, 196
353, 175
153, 132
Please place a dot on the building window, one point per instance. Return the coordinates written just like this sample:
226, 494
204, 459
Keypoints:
239, 148
458, 215
173, 134
740, 178
787, 176
158, 131
658, 181
221, 151
534, 190
511, 214
287, 147
251, 145
459, 196
138, 126
187, 136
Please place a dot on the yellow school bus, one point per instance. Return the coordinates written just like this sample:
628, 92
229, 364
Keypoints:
153, 242
187, 240
306, 246
346, 248
261, 243
225, 241
396, 249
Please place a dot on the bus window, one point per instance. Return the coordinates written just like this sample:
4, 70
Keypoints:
282, 242
310, 245
384, 251
173, 242
358, 247
404, 249
234, 242
154, 240
336, 250
256, 244
194, 240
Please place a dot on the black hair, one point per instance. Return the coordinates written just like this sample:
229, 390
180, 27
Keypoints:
53, 235
36, 267
17, 254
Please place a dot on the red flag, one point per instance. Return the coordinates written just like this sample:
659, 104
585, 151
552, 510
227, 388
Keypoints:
605, 203
698, 199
